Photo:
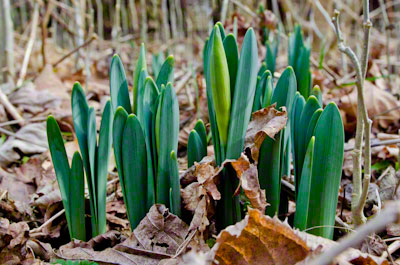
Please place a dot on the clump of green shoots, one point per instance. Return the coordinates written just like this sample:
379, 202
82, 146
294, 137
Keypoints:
231, 84
317, 158
314, 135
197, 143
145, 137
274, 157
299, 58
94, 158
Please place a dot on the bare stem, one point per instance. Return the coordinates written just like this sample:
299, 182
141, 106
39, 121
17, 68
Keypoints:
94, 37
360, 190
388, 215
29, 46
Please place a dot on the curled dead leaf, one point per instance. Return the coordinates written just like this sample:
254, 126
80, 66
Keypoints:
13, 234
265, 122
200, 192
248, 176
206, 175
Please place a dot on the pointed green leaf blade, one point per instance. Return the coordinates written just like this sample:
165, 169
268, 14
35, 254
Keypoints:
118, 85
80, 115
303, 199
141, 91
221, 30
135, 170
326, 171
232, 57
168, 131
77, 197
195, 148
210, 103
60, 163
285, 90
258, 95
167, 72
266, 98
310, 107
140, 65
298, 106
269, 172
312, 124
102, 158
175, 190
92, 180
244, 95
318, 94
147, 120
220, 86
303, 73
119, 122
201, 130
157, 61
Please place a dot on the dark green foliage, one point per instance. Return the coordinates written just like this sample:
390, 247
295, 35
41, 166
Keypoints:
70, 181
95, 155
231, 83
326, 171
299, 59
197, 143
143, 143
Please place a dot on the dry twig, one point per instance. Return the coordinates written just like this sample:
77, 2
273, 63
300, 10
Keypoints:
360, 190
390, 214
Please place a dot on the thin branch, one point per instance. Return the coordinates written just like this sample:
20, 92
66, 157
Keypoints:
377, 143
50, 220
244, 7
10, 108
94, 37
29, 46
224, 10
388, 215
45, 21
360, 190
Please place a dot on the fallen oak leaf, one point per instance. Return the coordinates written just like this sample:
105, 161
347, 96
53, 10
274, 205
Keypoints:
258, 239
265, 122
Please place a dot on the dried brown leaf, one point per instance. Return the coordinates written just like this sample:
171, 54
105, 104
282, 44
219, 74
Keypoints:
200, 192
159, 231
258, 239
158, 236
206, 175
30, 139
248, 176
378, 102
265, 122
